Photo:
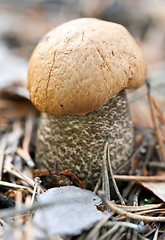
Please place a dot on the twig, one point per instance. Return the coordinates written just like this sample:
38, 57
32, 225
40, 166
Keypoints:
113, 179
140, 178
126, 214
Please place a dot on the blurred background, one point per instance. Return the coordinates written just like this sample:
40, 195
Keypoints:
24, 22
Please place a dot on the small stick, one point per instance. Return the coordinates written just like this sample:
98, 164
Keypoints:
140, 178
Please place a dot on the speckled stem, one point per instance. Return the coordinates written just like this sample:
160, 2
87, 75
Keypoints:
77, 143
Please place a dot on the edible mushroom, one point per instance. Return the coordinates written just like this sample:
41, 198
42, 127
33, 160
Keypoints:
77, 76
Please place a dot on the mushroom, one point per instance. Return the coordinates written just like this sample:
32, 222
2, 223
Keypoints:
77, 77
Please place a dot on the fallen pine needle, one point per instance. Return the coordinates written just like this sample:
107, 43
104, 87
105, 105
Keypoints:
114, 208
138, 227
13, 185
140, 208
97, 227
155, 120
140, 178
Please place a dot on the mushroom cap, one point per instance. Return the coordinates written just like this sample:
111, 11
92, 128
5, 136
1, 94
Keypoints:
78, 66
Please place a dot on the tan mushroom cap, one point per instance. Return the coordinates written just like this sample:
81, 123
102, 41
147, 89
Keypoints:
78, 66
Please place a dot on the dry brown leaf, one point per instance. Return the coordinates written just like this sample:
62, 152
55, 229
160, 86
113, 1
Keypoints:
156, 187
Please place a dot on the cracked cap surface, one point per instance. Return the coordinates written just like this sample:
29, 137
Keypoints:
78, 66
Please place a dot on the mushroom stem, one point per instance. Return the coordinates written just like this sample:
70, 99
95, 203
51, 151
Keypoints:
77, 143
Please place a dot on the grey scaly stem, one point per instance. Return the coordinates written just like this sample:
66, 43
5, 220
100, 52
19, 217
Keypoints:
77, 143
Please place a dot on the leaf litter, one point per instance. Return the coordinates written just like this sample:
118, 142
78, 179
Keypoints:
130, 210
